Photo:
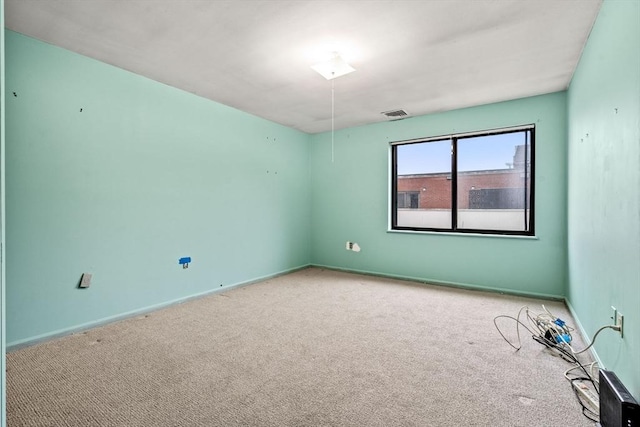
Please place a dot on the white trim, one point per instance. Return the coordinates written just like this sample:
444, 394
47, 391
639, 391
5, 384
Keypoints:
462, 234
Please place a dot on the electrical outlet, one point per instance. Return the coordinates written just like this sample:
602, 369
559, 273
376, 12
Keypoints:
618, 320
620, 323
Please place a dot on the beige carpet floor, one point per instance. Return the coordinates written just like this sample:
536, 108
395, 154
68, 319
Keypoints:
312, 348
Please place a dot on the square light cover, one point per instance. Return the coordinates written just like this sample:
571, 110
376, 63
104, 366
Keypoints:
335, 67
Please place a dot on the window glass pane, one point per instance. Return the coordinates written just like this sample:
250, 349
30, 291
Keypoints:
424, 178
493, 182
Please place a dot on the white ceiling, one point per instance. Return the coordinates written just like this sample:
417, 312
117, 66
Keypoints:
255, 55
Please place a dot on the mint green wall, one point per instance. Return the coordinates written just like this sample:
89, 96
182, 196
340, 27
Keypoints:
350, 199
144, 175
2, 227
604, 187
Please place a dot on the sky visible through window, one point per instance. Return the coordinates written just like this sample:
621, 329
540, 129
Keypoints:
474, 154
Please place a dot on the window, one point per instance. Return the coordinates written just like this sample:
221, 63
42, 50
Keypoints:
408, 200
479, 182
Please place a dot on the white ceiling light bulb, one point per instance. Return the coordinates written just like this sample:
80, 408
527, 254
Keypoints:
334, 67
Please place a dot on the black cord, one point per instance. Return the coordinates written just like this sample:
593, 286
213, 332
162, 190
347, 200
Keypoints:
570, 357
585, 411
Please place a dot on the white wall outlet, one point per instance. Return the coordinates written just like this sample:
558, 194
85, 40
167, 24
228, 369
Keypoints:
85, 280
352, 247
618, 321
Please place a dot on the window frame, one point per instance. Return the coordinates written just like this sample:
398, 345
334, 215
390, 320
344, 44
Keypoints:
529, 173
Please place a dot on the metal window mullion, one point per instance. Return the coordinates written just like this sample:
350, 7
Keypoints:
394, 187
454, 183
526, 173
532, 184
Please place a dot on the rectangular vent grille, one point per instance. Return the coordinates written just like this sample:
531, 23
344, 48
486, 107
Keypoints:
395, 114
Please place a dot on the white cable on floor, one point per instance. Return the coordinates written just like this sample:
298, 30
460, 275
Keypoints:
555, 334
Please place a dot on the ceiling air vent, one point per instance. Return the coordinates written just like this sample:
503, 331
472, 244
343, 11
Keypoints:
395, 114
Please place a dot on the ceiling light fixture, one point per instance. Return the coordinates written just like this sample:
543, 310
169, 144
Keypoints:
331, 69
334, 67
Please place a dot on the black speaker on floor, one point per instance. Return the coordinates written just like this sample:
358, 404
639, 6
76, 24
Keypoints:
618, 408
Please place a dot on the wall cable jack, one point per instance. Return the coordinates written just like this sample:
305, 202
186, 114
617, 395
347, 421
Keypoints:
85, 280
185, 261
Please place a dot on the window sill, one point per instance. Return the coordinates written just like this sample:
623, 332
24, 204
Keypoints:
446, 233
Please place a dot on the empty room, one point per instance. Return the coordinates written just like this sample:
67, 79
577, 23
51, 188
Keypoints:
320, 213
